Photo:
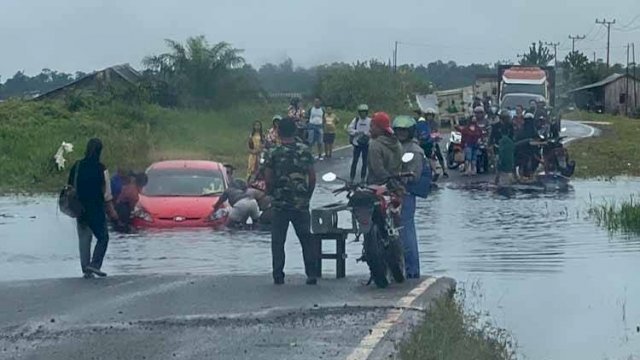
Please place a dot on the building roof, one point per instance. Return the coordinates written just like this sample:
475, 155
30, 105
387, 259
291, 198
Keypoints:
123, 71
608, 80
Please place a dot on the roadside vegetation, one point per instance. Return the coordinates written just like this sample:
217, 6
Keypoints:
451, 332
618, 216
614, 152
134, 136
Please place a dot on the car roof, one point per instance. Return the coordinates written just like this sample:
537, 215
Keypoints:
187, 164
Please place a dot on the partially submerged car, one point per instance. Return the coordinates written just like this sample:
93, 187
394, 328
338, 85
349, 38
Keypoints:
181, 193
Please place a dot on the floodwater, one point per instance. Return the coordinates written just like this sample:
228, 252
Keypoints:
565, 288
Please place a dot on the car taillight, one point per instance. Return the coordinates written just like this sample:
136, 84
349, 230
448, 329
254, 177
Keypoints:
141, 213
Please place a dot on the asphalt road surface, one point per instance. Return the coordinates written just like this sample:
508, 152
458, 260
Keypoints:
201, 317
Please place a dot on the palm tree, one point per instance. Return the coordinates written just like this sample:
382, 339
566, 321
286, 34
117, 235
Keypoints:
196, 68
539, 55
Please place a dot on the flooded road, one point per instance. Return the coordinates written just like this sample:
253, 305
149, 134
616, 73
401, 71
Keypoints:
563, 286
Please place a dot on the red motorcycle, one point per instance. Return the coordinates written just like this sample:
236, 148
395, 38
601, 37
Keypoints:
376, 210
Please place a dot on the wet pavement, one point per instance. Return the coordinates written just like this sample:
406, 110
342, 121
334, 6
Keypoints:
566, 288
193, 317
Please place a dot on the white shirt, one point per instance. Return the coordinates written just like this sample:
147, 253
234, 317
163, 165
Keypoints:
359, 127
316, 115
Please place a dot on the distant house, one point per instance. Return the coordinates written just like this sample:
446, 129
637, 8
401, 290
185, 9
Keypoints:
96, 81
615, 94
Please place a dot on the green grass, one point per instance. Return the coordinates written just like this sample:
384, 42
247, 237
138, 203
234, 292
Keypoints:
614, 152
134, 137
448, 332
618, 217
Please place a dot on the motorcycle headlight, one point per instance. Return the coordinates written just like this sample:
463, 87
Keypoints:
140, 213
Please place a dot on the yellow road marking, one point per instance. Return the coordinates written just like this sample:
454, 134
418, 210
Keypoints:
369, 342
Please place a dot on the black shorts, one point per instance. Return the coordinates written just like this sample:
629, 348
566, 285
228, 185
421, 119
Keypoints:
329, 139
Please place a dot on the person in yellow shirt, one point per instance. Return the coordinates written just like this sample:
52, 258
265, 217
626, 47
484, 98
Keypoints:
330, 126
256, 145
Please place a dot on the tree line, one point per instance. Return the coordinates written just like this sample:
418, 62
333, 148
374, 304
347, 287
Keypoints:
199, 74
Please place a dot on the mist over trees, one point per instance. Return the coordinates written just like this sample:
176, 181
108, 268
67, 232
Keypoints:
199, 74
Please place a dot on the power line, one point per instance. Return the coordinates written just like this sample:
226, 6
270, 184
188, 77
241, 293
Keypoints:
573, 41
608, 24
630, 22
555, 51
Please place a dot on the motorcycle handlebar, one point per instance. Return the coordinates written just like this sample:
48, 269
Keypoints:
352, 187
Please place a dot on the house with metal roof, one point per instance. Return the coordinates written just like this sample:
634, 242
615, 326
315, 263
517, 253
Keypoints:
615, 94
97, 81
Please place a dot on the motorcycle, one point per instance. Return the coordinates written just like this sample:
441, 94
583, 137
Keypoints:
376, 210
455, 152
482, 160
556, 158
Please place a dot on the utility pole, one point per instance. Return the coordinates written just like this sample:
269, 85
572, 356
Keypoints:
395, 57
594, 57
608, 24
635, 80
626, 92
555, 51
573, 41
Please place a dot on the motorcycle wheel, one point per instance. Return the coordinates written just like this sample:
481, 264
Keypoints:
394, 255
374, 255
451, 162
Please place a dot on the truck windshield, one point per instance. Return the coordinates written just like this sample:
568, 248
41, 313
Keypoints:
536, 89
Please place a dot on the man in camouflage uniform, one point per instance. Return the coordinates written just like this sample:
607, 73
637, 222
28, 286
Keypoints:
290, 180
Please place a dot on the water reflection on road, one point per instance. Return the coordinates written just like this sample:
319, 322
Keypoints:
566, 288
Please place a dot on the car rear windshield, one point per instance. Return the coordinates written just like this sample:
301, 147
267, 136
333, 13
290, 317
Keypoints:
184, 182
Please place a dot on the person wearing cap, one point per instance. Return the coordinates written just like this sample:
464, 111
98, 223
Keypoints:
273, 138
358, 130
404, 128
385, 151
429, 138
471, 135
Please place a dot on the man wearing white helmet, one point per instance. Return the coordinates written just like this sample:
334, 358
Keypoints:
480, 115
428, 138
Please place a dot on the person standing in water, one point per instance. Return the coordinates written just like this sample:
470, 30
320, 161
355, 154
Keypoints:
94, 193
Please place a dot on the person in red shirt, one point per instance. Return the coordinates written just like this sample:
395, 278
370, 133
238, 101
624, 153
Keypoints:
471, 136
128, 199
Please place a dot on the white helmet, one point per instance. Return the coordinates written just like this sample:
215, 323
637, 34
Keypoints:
430, 111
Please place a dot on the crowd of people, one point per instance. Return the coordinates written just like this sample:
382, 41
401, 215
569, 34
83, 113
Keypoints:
282, 176
510, 141
282, 182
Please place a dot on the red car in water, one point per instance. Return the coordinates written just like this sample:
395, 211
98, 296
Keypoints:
181, 193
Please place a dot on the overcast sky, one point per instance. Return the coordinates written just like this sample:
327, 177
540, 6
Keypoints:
70, 35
